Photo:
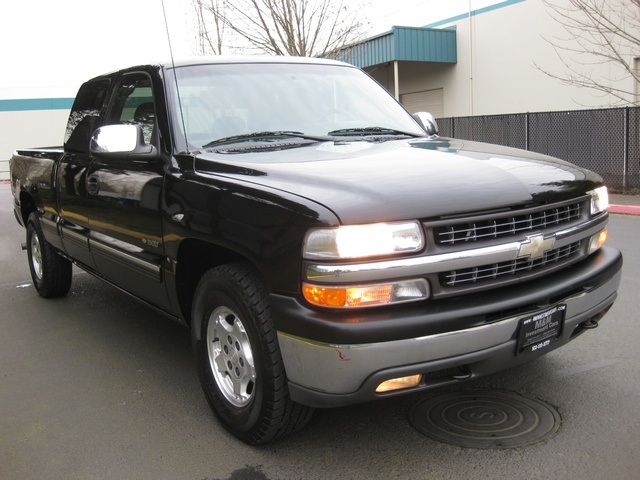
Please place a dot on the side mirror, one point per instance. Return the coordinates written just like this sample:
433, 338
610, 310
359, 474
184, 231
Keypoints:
427, 122
121, 142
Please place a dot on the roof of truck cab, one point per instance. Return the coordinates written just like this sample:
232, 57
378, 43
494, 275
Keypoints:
223, 59
226, 60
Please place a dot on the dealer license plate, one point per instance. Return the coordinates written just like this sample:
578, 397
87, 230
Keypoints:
539, 331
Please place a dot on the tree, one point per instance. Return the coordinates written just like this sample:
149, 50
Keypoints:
598, 32
210, 25
280, 27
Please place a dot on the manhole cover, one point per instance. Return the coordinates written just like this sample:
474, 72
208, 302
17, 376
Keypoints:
484, 419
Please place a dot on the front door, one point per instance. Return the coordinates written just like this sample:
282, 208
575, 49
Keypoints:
125, 197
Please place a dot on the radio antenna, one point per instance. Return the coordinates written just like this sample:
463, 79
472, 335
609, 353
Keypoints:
175, 77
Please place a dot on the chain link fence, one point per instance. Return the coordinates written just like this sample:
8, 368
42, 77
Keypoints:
606, 141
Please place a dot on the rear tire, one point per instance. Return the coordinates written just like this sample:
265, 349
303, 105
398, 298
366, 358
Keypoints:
238, 357
51, 273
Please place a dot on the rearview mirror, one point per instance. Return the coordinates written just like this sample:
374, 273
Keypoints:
427, 122
120, 142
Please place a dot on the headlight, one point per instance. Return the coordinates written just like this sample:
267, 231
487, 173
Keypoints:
358, 241
599, 200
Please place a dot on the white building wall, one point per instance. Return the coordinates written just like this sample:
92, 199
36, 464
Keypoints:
496, 73
49, 48
27, 129
506, 45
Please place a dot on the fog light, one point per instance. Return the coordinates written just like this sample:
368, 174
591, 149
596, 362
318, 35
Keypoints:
598, 240
399, 383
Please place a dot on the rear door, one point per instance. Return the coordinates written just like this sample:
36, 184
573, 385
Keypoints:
125, 199
73, 201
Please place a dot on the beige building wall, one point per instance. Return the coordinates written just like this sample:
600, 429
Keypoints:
506, 45
496, 73
28, 129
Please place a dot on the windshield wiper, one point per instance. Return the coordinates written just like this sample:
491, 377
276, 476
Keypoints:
363, 131
267, 135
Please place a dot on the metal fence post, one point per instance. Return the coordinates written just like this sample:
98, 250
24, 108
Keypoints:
526, 131
625, 160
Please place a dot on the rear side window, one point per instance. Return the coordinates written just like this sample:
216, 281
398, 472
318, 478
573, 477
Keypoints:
85, 115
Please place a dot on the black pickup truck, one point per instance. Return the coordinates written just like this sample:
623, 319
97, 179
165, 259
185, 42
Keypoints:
324, 246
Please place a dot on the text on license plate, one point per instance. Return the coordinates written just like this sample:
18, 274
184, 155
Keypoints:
540, 330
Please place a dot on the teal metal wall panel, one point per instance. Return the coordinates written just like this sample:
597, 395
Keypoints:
403, 44
26, 104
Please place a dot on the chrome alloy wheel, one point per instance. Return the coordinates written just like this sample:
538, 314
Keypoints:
36, 256
231, 357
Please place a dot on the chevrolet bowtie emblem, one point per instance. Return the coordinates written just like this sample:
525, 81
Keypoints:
535, 246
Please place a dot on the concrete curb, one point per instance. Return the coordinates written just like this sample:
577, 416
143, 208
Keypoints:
625, 209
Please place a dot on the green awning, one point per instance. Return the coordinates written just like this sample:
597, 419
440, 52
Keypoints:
404, 44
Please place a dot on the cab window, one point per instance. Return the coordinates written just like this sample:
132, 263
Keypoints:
85, 115
133, 104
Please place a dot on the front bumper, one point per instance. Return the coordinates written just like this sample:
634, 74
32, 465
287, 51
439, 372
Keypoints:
330, 373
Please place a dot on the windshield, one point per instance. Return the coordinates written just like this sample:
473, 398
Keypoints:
221, 101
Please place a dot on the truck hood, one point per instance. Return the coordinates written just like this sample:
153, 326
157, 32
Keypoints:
404, 179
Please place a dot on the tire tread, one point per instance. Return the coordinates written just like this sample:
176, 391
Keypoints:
281, 416
57, 272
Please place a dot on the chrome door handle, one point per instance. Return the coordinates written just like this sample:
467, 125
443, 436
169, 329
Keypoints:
93, 184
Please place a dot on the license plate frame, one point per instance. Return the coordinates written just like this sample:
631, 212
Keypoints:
538, 332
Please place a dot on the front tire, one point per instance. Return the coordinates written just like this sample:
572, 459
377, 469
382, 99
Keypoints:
51, 273
238, 357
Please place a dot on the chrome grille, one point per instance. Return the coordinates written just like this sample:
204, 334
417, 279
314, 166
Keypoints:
502, 226
522, 264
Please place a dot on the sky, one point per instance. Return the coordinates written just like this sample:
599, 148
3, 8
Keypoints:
49, 47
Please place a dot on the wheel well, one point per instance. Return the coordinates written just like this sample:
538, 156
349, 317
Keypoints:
27, 205
195, 258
